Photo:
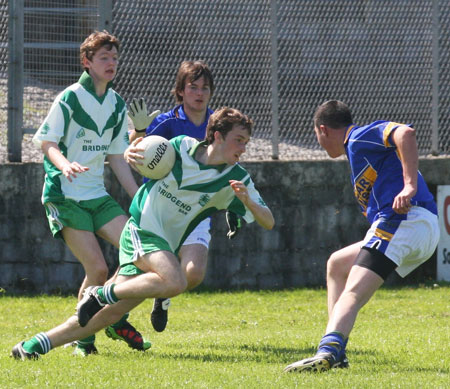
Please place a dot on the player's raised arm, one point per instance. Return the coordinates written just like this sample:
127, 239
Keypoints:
140, 118
53, 153
404, 138
262, 215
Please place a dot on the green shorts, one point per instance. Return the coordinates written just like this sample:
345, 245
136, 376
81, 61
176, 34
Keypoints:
134, 243
87, 215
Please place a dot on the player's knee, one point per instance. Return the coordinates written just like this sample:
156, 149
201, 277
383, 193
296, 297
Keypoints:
336, 266
175, 286
98, 274
195, 277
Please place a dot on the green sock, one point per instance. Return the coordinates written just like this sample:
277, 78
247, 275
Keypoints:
32, 346
107, 295
86, 341
39, 343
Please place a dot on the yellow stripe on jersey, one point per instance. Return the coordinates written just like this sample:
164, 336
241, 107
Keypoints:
387, 131
383, 234
347, 134
363, 187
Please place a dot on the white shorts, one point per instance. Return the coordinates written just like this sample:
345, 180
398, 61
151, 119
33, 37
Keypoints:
200, 234
408, 243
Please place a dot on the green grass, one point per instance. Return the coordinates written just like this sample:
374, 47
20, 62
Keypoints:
242, 340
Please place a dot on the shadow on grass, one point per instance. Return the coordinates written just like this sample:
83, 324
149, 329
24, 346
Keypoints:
255, 353
286, 355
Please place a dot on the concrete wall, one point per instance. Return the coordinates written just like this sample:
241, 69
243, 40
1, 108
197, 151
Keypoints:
312, 202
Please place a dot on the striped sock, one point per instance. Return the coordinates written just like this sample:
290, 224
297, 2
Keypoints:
107, 295
39, 343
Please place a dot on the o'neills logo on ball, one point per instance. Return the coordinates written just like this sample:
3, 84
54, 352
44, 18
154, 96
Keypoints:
158, 155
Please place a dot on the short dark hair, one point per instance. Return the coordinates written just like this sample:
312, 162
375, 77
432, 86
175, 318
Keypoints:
334, 114
95, 41
223, 121
190, 71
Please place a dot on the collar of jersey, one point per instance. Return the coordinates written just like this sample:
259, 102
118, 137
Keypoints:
88, 83
347, 133
202, 166
180, 114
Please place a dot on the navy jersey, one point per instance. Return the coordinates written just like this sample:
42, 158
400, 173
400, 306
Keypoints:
377, 173
175, 122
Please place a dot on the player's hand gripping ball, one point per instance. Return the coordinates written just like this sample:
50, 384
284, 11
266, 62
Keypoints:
159, 157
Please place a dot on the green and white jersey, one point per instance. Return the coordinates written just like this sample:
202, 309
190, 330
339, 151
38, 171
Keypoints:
172, 207
86, 128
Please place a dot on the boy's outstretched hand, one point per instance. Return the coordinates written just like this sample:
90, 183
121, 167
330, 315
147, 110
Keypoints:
139, 116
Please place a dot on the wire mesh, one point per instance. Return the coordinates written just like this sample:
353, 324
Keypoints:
361, 52
231, 36
53, 32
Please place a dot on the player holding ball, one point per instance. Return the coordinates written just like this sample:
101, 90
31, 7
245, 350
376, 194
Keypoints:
194, 88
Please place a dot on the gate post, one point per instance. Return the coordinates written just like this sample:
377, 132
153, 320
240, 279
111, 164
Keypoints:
105, 15
15, 80
274, 78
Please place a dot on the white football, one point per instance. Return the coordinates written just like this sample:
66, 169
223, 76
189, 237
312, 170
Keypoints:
159, 157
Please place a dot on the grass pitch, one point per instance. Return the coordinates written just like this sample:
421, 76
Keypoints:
242, 340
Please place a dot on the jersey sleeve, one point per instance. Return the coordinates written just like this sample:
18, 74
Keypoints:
238, 207
57, 120
387, 132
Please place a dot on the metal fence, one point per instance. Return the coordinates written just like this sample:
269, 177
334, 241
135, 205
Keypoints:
276, 60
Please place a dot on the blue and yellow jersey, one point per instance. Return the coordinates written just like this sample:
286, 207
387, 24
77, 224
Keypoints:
377, 173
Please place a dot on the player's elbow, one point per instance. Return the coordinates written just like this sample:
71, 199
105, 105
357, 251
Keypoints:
268, 223
409, 131
404, 134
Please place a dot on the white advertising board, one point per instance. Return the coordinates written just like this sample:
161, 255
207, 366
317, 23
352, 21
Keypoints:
443, 251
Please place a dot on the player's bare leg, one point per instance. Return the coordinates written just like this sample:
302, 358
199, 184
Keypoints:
122, 329
163, 277
194, 258
111, 231
167, 271
85, 247
338, 268
71, 330
362, 283
360, 287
